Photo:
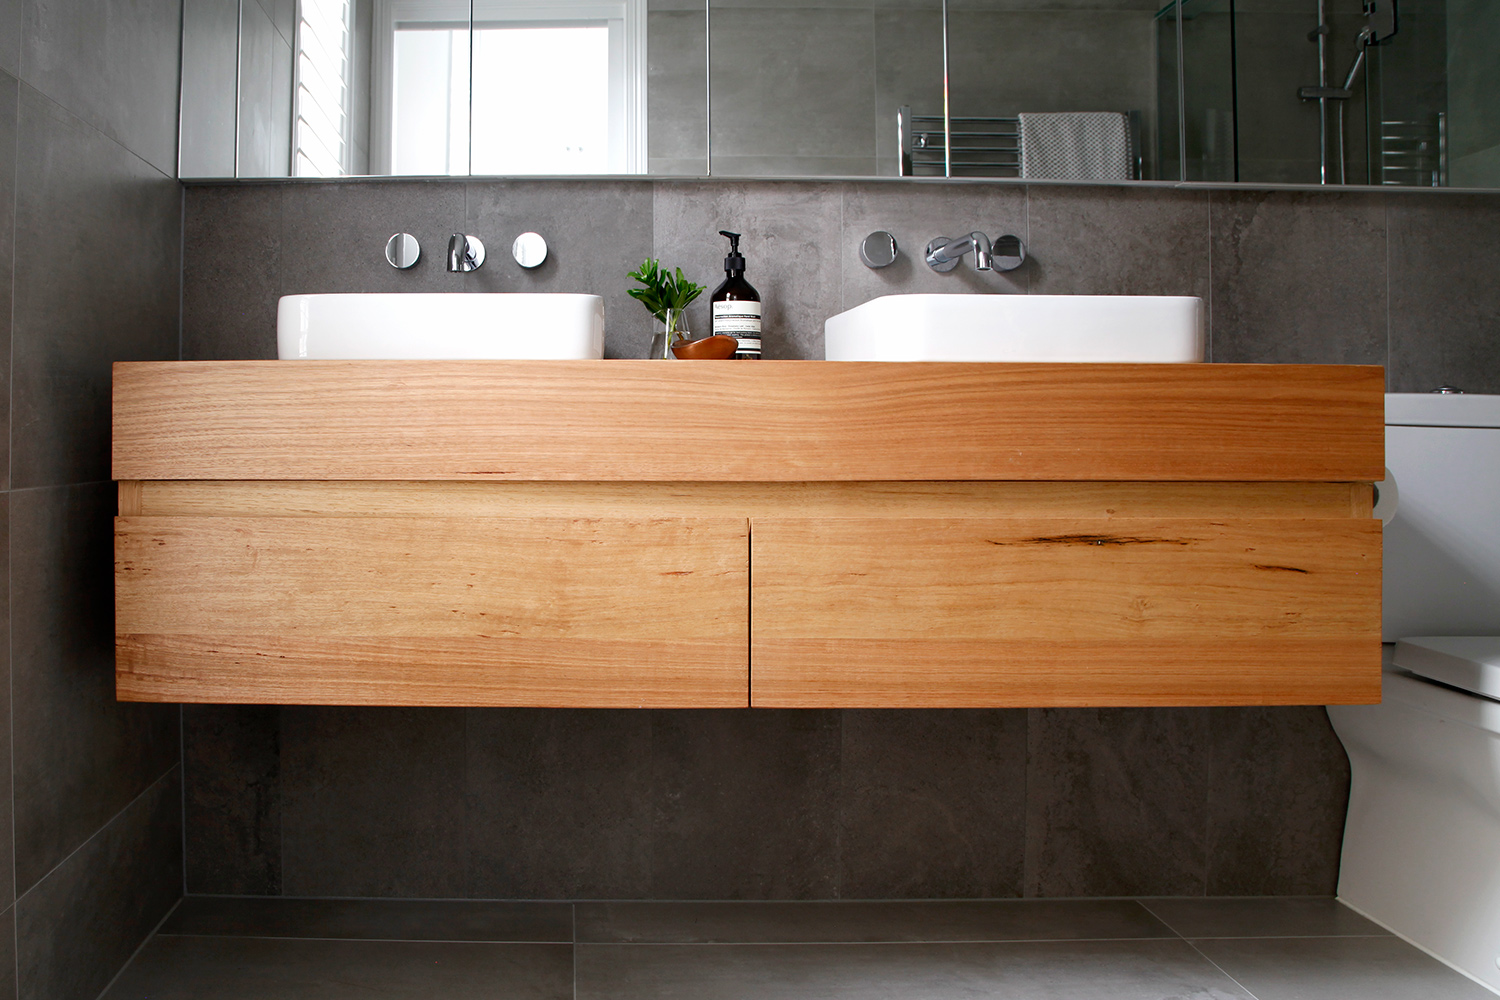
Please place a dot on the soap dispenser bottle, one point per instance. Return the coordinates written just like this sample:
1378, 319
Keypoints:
736, 305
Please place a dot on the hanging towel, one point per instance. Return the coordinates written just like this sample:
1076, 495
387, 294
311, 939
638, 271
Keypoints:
1077, 146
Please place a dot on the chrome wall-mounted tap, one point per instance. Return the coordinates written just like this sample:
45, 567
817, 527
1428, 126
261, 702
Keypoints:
1005, 254
465, 253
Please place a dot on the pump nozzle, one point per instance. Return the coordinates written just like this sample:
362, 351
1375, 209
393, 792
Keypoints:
734, 261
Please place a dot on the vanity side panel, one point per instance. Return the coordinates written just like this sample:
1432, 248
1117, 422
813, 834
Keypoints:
575, 612
865, 612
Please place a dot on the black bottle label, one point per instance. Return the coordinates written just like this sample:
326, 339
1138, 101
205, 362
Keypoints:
740, 319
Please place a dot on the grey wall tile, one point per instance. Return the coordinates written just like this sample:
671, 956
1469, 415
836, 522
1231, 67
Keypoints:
676, 90
916, 214
559, 803
210, 61
76, 928
230, 272
8, 954
597, 232
1278, 793
265, 96
114, 63
9, 107
7, 818
932, 804
239, 968
1118, 241
908, 44
333, 237
791, 247
743, 804
1445, 306
798, 84
10, 37
80, 756
97, 266
232, 798
372, 802
1298, 278
1116, 800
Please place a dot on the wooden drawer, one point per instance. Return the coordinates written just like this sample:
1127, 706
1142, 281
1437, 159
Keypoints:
913, 612
562, 611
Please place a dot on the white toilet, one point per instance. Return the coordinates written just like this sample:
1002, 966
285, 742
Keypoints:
1422, 841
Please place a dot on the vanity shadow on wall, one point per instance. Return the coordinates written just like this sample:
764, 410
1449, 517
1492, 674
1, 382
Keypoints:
1366, 92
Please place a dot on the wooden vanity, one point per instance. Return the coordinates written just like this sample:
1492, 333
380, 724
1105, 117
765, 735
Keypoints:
787, 534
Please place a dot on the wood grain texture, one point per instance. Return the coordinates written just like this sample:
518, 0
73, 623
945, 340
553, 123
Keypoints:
764, 422
1015, 611
647, 500
515, 611
266, 669
1061, 673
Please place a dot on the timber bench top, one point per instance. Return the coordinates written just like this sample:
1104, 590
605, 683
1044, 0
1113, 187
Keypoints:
766, 421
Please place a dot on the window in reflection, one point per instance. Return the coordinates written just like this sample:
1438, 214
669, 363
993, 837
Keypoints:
321, 121
429, 126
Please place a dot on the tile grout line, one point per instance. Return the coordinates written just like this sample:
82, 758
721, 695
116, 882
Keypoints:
1216, 965
101, 828
139, 948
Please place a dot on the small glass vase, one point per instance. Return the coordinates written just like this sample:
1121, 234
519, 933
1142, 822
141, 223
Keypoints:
671, 330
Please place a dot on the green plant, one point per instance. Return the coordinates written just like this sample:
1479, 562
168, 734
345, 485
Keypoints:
664, 292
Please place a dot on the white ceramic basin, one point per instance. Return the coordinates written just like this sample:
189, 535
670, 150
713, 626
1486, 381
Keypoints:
440, 325
1103, 328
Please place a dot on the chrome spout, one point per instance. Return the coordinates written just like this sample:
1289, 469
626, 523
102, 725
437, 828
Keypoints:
944, 254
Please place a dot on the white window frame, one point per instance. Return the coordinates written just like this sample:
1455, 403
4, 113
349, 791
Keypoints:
627, 54
346, 158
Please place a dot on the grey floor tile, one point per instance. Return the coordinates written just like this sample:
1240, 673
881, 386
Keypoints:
373, 919
947, 920
1261, 917
1373, 968
237, 968
1098, 970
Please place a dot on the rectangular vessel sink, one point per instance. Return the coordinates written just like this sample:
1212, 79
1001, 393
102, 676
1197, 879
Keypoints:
440, 326
1098, 328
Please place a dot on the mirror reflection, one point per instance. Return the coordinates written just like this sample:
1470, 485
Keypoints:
1376, 92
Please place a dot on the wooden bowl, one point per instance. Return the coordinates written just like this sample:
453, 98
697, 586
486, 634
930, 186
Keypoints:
714, 348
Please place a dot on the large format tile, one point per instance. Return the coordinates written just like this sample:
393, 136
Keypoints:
798, 84
1118, 241
1299, 278
1116, 802
916, 214
791, 237
559, 803
676, 92
7, 810
231, 279
8, 954
190, 968
231, 803
9, 104
113, 63
1279, 791
743, 804
333, 235
1445, 302
373, 802
932, 804
1093, 970
373, 919
10, 37
597, 232
851, 921
1331, 968
97, 273
1291, 916
80, 756
77, 927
